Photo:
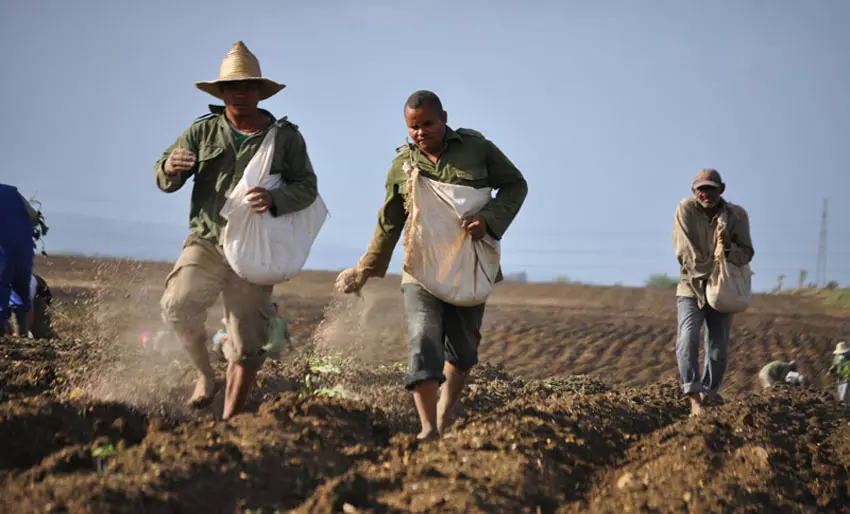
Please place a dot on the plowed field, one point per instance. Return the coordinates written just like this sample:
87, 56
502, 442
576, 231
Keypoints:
575, 408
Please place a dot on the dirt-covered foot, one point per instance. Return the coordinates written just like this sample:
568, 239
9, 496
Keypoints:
711, 400
445, 419
428, 434
204, 392
696, 404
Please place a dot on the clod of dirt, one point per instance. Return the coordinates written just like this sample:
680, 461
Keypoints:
625, 481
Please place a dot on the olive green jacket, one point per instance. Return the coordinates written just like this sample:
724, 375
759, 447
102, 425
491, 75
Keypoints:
220, 164
468, 159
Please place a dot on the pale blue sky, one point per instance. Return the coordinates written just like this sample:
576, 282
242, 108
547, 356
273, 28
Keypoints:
608, 107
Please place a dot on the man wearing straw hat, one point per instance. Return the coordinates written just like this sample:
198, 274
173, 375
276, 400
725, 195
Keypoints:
841, 368
215, 150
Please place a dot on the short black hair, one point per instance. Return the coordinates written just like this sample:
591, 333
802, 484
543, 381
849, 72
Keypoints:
421, 98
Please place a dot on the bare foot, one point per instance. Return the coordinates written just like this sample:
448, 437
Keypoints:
445, 417
240, 380
425, 398
204, 392
696, 404
450, 395
428, 434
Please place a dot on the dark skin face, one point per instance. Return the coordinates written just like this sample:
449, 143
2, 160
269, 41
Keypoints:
427, 128
240, 104
708, 196
241, 99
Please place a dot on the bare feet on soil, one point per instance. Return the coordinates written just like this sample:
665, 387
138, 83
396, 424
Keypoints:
430, 434
696, 404
205, 389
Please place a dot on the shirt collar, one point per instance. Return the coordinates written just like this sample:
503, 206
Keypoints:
451, 135
219, 109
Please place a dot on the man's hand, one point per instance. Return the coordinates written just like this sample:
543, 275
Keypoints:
180, 160
259, 199
722, 238
351, 280
475, 226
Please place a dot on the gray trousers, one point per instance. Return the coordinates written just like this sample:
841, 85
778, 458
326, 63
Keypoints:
718, 328
438, 332
844, 392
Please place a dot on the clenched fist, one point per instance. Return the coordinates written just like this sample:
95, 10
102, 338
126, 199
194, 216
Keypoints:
259, 199
351, 280
180, 160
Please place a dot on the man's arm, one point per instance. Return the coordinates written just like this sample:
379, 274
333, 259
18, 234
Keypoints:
740, 248
170, 183
391, 219
511, 187
683, 236
298, 188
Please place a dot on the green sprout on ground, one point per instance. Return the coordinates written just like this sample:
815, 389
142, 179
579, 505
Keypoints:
101, 454
395, 367
308, 389
325, 365
328, 363
337, 391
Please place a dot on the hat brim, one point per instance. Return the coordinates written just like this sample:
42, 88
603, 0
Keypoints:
268, 88
706, 183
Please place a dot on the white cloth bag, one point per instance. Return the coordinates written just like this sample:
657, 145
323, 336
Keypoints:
440, 254
729, 288
261, 248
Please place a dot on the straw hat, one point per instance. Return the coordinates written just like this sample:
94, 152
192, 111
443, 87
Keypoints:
240, 64
841, 347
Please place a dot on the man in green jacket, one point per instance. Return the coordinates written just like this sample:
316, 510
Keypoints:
442, 338
215, 150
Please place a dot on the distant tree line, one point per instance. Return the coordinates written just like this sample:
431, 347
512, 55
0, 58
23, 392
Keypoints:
665, 281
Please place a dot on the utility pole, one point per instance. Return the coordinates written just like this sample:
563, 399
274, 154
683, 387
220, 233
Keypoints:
821, 273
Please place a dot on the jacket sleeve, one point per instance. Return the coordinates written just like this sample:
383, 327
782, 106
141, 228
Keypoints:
511, 187
171, 183
683, 240
740, 250
391, 219
299, 188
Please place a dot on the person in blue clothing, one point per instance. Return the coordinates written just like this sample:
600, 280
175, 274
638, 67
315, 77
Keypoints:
16, 252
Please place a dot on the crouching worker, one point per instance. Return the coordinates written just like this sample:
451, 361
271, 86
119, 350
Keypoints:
779, 371
16, 256
443, 337
215, 150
